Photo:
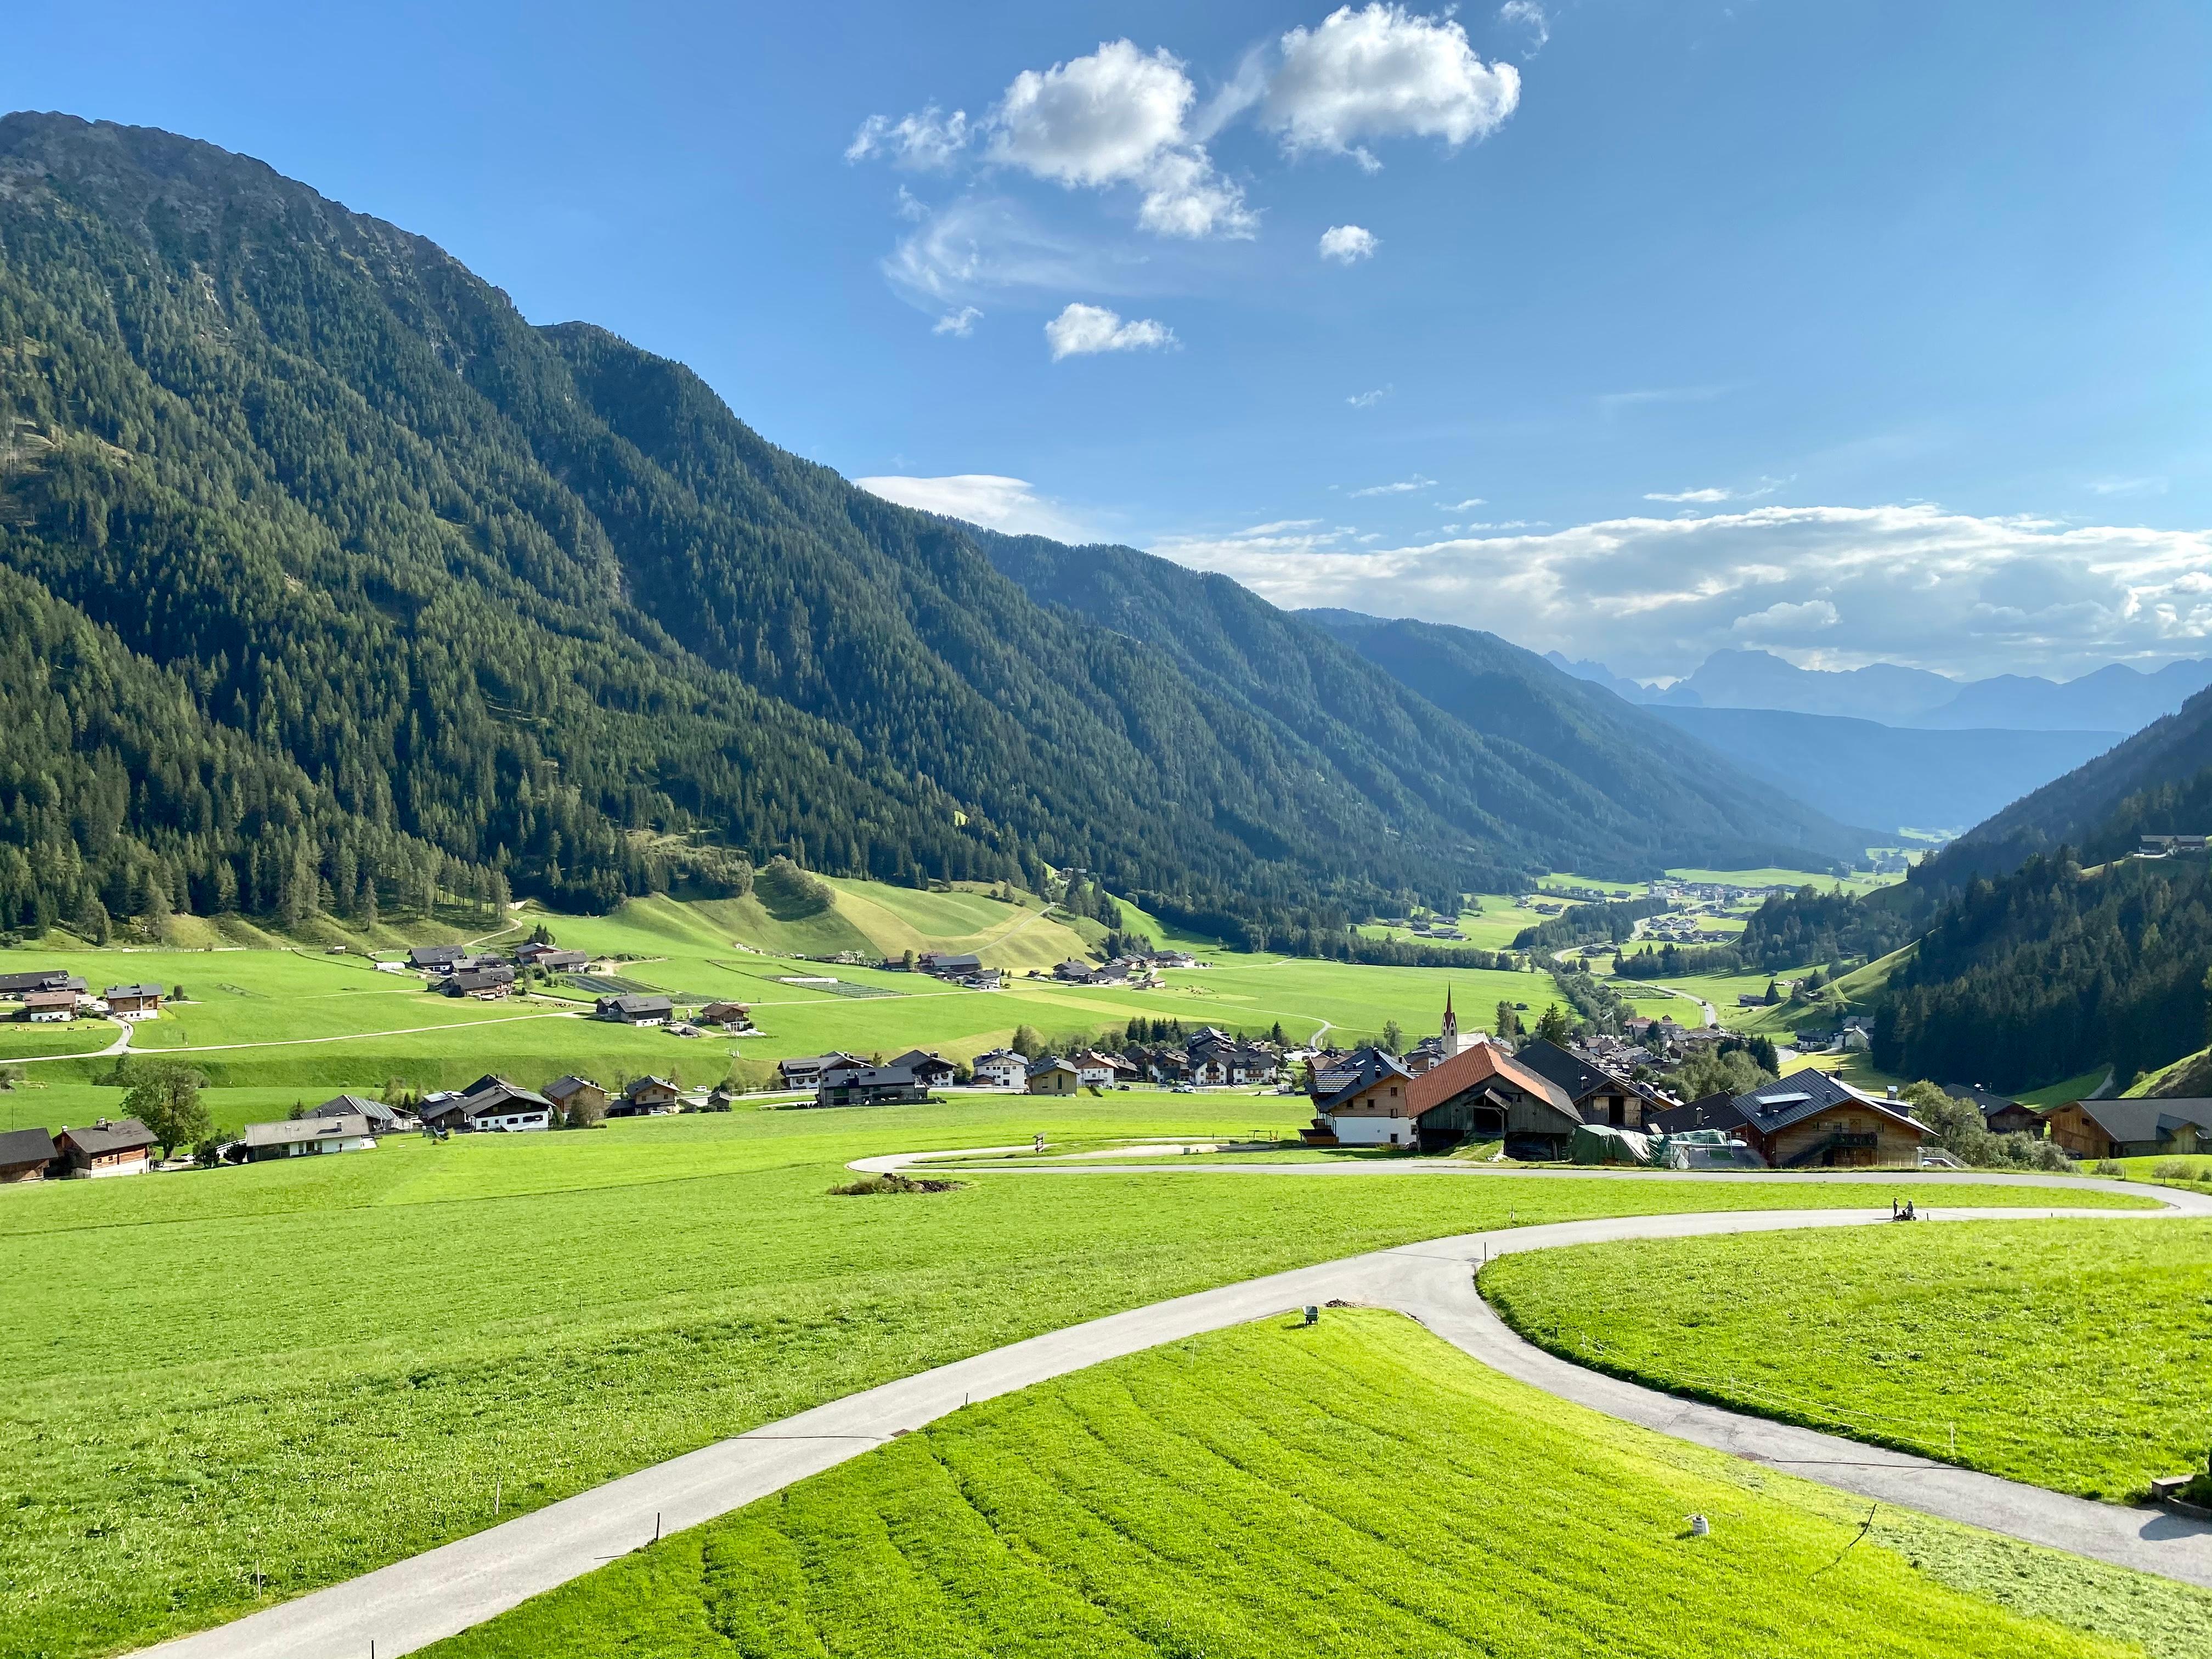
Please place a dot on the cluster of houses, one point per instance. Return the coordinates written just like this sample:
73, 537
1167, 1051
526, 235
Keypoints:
50, 996
1135, 971
111, 1146
1209, 1058
489, 975
1424, 926
954, 967
1544, 1102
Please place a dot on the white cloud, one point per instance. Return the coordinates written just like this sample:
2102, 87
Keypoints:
1381, 71
1081, 329
1653, 596
2128, 486
1527, 15
1783, 618
1348, 244
1707, 496
1368, 399
928, 141
1118, 118
1403, 487
985, 498
961, 323
977, 247
1461, 506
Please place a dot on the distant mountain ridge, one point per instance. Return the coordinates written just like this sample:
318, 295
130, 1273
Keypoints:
1896, 778
2114, 698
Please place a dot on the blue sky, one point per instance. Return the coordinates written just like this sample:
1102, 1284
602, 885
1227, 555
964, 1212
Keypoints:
1853, 332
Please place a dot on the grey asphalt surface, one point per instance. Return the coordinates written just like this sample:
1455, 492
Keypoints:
442, 1592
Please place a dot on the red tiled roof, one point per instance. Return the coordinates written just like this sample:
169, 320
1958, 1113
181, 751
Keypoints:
1472, 1066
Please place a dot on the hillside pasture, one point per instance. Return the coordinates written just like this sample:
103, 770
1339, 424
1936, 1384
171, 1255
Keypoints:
514, 1318
1351, 1489
2067, 1354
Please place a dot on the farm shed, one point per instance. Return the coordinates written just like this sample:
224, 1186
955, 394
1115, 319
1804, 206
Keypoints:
2132, 1128
24, 1155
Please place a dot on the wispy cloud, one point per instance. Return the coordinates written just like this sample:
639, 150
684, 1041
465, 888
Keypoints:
1461, 506
961, 323
1611, 403
1368, 399
995, 502
1403, 487
2128, 486
1529, 16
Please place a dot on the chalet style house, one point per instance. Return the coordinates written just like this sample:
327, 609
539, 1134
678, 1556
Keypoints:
307, 1137
1001, 1068
133, 1001
550, 959
635, 1008
930, 1071
119, 1146
50, 1007
731, 1016
576, 1095
490, 1105
382, 1120
434, 959
872, 1085
2132, 1128
805, 1070
1214, 1057
2000, 1114
1809, 1119
487, 984
1479, 1093
646, 1096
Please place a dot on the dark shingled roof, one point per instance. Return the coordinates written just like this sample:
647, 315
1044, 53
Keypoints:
1773, 1107
1577, 1077
2147, 1119
121, 1134
25, 1146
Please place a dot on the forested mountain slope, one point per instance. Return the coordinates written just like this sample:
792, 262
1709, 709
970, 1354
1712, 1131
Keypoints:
2156, 783
1650, 778
341, 581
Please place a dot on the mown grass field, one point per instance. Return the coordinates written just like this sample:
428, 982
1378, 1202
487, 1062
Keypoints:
2073, 1355
1354, 1489
302, 1370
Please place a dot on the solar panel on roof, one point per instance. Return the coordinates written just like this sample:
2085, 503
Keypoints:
1781, 1100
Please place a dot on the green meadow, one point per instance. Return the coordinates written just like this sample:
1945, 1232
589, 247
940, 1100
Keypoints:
1352, 1489
304, 1370
2069, 1354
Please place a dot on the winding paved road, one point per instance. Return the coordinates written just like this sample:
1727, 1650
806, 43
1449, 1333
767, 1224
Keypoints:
415, 1602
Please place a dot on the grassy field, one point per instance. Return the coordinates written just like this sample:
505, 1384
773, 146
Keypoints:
301, 1370
1354, 1489
2068, 1354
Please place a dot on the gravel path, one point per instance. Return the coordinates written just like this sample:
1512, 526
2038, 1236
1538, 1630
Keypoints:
412, 1603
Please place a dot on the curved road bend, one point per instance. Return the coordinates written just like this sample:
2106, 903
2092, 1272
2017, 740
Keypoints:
438, 1594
